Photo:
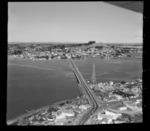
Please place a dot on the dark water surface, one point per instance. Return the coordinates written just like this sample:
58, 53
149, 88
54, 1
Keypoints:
33, 84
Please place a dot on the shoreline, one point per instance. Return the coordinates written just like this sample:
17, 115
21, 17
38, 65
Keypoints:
109, 58
39, 109
54, 105
32, 112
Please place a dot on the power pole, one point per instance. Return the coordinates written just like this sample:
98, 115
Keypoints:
93, 75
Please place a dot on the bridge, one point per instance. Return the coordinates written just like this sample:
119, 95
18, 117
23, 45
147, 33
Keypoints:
90, 96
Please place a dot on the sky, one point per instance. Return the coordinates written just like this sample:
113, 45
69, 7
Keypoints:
72, 22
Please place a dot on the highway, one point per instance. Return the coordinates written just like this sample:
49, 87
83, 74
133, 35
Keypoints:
91, 98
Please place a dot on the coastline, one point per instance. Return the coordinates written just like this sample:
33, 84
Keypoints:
32, 112
37, 110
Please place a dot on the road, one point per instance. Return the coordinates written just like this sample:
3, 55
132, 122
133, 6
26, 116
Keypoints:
93, 100
90, 96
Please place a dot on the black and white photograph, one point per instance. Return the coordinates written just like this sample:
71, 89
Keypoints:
74, 63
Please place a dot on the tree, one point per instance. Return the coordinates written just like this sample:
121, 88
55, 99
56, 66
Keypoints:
17, 52
99, 47
91, 42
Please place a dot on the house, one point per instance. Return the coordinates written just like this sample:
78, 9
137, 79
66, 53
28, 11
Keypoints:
109, 116
123, 108
65, 113
114, 115
84, 107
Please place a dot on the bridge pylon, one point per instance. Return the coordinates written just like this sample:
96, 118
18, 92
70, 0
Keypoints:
93, 79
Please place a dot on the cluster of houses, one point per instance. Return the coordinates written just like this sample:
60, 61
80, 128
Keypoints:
60, 115
75, 53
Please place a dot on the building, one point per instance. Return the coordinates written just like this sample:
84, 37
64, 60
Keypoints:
123, 108
84, 107
65, 113
111, 83
114, 115
135, 90
110, 116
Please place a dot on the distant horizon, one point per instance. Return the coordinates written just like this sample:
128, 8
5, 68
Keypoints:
138, 43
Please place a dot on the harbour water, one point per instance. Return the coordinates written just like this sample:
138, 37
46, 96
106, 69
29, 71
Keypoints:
33, 84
